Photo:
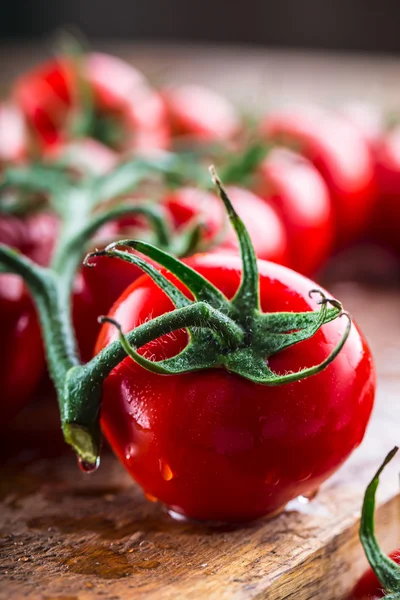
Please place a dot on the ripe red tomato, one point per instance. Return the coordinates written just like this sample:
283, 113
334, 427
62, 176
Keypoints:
342, 156
369, 587
384, 223
200, 114
297, 190
22, 360
128, 114
264, 225
213, 445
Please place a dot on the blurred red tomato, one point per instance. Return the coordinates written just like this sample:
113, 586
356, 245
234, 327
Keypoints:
264, 225
384, 224
200, 114
342, 156
22, 360
124, 112
293, 185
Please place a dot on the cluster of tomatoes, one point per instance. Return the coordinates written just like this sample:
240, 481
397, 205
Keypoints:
322, 180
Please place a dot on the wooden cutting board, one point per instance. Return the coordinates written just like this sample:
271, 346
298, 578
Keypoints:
68, 536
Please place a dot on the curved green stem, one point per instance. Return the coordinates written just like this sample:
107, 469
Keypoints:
60, 344
35, 178
200, 287
69, 255
387, 571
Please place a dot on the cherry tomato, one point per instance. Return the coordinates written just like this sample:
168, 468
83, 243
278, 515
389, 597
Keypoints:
261, 219
22, 360
340, 153
128, 114
384, 224
213, 445
297, 190
200, 114
369, 587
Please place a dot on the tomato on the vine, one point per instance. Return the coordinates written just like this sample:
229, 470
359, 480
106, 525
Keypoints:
340, 153
293, 185
214, 445
264, 225
21, 342
122, 110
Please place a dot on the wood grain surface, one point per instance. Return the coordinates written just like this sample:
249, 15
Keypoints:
68, 536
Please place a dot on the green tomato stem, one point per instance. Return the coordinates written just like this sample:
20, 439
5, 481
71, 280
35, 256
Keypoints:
387, 571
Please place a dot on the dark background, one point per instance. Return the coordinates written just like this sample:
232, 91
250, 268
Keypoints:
369, 25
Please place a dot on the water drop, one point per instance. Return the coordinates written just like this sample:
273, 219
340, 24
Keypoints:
304, 477
150, 498
166, 471
272, 478
130, 452
307, 497
88, 467
311, 494
302, 500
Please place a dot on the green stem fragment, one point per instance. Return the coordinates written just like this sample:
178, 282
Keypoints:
387, 571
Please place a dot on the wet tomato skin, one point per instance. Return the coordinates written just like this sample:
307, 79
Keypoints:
297, 190
262, 221
368, 587
212, 445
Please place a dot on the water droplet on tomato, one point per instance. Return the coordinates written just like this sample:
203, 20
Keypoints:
272, 478
307, 497
304, 476
166, 471
88, 467
302, 500
311, 494
130, 452
150, 498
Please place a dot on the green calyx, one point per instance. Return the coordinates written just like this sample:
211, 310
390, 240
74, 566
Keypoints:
387, 571
239, 337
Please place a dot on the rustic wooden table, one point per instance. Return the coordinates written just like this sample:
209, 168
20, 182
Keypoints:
67, 536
